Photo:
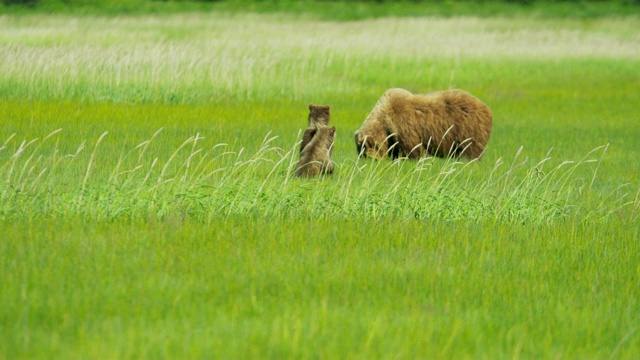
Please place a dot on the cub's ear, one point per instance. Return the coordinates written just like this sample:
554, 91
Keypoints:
332, 130
327, 107
311, 106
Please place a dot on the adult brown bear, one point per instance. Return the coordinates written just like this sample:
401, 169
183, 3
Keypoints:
444, 123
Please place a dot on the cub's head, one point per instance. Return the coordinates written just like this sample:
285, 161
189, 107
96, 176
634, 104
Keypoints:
319, 115
326, 133
369, 148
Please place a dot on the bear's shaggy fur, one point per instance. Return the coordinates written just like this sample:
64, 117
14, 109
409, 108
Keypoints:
319, 115
315, 158
444, 123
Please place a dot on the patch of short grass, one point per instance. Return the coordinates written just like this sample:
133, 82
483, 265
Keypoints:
246, 287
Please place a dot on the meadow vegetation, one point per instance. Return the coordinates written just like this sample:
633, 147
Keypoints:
340, 10
148, 207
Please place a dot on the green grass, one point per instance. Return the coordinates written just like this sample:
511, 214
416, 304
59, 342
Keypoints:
256, 288
147, 207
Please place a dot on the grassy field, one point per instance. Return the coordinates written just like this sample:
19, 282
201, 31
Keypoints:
147, 207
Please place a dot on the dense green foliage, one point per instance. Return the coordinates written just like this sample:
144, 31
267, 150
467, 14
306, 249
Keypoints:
342, 10
147, 207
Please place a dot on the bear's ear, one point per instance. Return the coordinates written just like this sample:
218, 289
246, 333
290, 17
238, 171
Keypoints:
332, 130
326, 107
311, 106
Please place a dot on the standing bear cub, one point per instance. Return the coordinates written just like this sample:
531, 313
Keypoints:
315, 158
319, 115
444, 123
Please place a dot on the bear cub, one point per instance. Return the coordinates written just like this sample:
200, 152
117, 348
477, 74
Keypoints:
315, 158
319, 115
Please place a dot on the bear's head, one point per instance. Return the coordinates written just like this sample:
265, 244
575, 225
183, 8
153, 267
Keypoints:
319, 115
331, 131
368, 147
327, 134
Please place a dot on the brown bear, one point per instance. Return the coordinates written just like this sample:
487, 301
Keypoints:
315, 158
319, 115
444, 123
